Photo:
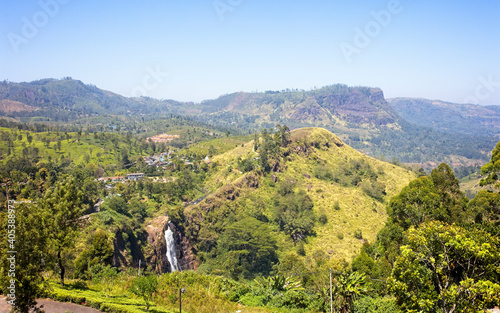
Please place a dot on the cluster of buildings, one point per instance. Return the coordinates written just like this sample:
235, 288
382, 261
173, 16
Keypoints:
157, 160
131, 176
164, 159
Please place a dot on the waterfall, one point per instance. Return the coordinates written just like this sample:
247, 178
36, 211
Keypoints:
171, 256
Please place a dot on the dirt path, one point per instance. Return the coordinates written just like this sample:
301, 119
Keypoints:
51, 306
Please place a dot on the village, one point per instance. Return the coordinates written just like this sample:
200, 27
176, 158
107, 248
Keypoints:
164, 161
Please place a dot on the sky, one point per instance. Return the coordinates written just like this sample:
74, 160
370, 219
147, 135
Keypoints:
195, 50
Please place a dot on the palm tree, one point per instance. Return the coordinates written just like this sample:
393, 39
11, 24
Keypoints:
348, 287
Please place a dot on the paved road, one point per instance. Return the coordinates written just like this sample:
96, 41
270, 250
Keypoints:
51, 306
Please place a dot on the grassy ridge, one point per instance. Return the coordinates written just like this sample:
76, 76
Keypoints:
358, 211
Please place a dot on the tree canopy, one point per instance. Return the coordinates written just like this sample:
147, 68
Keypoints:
446, 268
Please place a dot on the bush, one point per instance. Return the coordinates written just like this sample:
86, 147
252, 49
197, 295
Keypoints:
290, 299
323, 219
374, 189
300, 248
323, 173
375, 305
80, 284
252, 300
336, 206
145, 287
358, 234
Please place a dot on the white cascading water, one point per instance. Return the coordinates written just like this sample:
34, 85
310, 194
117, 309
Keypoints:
171, 256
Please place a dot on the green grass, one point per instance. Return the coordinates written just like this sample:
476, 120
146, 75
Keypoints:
119, 301
203, 294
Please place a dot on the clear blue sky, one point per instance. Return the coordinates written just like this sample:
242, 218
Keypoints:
444, 50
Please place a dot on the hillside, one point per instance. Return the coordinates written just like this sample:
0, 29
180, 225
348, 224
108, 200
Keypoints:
346, 189
67, 99
336, 104
450, 117
359, 115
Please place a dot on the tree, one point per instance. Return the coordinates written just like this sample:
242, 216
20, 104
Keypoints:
105, 275
247, 248
491, 168
284, 135
416, 203
484, 210
100, 253
447, 268
293, 213
211, 151
347, 288
62, 206
453, 201
145, 287
256, 142
117, 204
30, 242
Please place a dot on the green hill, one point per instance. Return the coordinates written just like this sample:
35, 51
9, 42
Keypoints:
347, 189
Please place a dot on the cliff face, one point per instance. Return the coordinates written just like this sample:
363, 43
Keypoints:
156, 249
153, 250
183, 249
360, 105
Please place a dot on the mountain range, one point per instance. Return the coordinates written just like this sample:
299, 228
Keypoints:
449, 117
412, 130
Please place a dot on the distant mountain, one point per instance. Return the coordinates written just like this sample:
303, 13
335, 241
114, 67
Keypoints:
68, 99
449, 117
337, 104
359, 115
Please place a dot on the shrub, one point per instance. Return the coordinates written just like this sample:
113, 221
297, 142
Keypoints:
375, 305
358, 234
300, 249
336, 206
145, 287
323, 219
